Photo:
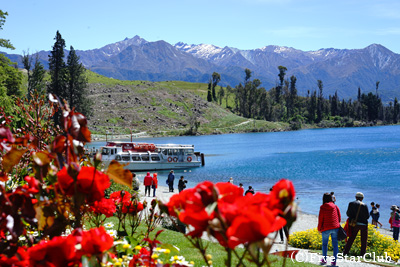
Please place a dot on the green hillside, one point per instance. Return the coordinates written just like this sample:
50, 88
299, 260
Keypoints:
163, 108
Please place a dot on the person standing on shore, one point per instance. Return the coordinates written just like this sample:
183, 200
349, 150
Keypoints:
358, 214
396, 223
148, 181
181, 184
155, 184
171, 178
250, 190
333, 197
328, 225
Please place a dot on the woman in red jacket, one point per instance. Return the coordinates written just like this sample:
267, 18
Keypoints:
328, 225
155, 184
148, 181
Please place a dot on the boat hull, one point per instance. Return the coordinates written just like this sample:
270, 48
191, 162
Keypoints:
155, 166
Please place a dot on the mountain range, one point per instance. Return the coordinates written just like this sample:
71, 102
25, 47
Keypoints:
341, 70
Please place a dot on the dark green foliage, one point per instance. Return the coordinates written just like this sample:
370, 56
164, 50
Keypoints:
209, 94
216, 78
4, 42
10, 77
57, 67
35, 76
77, 84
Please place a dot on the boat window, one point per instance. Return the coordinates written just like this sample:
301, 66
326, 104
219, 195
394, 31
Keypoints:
126, 158
136, 158
190, 151
164, 151
118, 157
112, 151
155, 158
175, 152
104, 151
145, 157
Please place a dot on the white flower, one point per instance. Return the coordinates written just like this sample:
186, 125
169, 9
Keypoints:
112, 233
109, 225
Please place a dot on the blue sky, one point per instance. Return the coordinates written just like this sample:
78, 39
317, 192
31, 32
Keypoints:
246, 24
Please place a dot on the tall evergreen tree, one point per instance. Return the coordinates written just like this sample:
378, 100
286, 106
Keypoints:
320, 103
396, 110
281, 75
77, 84
35, 75
58, 84
216, 78
209, 94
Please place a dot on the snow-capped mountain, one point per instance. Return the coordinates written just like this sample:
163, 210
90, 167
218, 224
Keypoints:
341, 70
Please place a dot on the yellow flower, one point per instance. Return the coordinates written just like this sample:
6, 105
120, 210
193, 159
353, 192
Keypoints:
154, 256
209, 257
126, 246
138, 247
167, 251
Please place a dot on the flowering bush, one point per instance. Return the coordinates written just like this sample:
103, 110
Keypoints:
377, 242
223, 212
49, 191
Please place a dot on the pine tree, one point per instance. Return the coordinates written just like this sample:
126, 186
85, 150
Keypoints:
58, 84
35, 76
77, 84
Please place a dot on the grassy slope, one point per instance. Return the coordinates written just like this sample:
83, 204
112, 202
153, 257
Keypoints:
215, 119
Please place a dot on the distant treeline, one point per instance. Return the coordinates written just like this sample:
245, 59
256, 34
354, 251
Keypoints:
281, 103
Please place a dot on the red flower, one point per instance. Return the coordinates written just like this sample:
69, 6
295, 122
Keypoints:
120, 196
282, 194
131, 207
96, 241
104, 206
89, 181
228, 192
253, 225
32, 186
60, 251
21, 259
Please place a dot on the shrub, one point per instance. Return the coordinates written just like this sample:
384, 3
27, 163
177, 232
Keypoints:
377, 242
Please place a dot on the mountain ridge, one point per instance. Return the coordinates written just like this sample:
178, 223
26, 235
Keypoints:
341, 70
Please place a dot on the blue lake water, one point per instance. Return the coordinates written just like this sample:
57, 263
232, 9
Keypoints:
343, 160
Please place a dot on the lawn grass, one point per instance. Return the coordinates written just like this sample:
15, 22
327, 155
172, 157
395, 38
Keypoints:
190, 253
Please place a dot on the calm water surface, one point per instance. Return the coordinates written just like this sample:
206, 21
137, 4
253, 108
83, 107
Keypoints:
344, 160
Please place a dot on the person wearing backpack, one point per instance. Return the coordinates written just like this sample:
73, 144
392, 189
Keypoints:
358, 214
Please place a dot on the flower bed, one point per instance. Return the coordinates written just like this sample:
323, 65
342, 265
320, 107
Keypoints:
50, 190
377, 242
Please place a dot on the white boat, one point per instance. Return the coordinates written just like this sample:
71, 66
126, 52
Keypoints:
150, 157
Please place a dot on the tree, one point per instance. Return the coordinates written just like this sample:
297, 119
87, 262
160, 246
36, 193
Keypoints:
229, 90
4, 42
396, 110
57, 68
247, 75
281, 75
10, 77
209, 94
216, 78
221, 94
77, 84
36, 77
320, 104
